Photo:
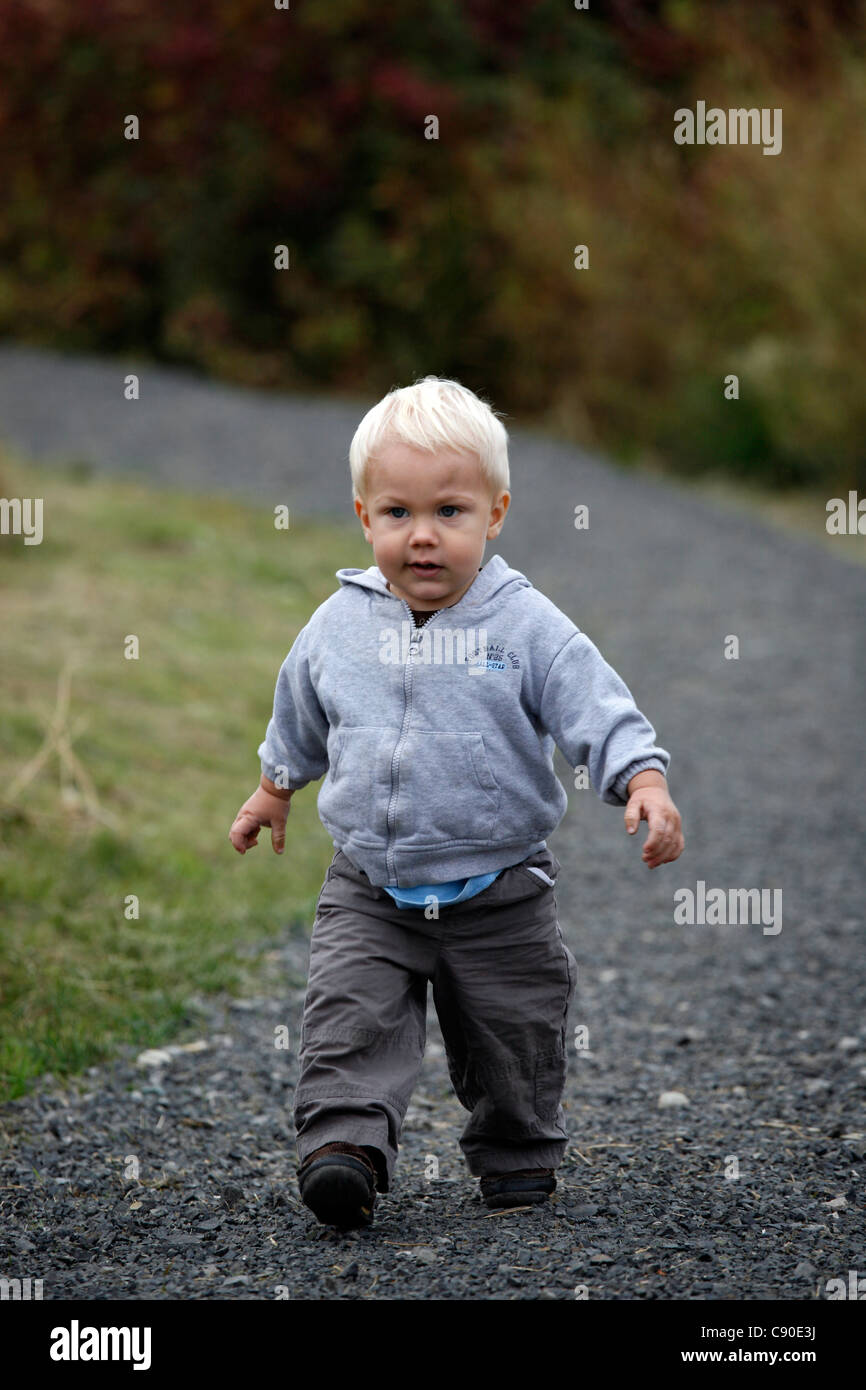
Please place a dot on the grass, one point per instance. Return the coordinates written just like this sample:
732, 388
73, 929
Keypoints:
120, 778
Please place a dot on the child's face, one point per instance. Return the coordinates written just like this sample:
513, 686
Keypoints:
428, 507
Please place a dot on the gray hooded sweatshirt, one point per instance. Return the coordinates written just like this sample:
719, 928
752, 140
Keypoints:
438, 742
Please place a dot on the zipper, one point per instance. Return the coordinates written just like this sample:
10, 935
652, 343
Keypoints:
408, 670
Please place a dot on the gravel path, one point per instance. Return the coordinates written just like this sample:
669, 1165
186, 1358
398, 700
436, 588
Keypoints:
764, 1032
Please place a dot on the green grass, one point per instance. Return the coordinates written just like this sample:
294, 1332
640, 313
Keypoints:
164, 752
153, 758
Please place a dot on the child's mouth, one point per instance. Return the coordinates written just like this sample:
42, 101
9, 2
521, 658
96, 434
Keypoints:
425, 569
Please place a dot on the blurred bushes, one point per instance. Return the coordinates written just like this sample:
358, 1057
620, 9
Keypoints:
306, 127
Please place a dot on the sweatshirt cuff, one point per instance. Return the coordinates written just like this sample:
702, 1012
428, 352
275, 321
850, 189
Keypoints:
271, 771
619, 786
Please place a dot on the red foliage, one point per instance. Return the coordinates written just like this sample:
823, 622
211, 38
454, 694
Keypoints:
409, 94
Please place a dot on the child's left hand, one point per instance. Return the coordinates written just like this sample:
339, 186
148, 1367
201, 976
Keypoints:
665, 839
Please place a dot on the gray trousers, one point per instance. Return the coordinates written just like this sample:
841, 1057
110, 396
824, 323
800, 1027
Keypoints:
503, 980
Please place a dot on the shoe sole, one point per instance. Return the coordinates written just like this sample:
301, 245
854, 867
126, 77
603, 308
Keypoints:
517, 1199
518, 1192
338, 1190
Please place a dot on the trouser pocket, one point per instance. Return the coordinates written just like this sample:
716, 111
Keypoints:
541, 869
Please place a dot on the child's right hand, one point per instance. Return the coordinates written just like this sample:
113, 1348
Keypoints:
260, 809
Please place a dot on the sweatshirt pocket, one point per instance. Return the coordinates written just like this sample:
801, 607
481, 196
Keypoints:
446, 790
354, 795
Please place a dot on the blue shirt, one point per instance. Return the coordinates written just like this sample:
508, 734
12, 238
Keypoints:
455, 891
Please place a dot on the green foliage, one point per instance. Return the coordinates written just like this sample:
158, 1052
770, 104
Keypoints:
306, 127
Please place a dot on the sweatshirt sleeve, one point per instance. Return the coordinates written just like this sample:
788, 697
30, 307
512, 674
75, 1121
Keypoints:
295, 747
589, 711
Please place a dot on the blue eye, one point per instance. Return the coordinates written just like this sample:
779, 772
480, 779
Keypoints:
446, 506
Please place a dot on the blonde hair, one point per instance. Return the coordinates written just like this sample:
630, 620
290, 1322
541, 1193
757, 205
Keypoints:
434, 413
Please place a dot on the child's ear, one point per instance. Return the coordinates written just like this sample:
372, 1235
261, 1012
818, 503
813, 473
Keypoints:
498, 509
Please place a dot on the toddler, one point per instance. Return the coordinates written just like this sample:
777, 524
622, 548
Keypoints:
431, 688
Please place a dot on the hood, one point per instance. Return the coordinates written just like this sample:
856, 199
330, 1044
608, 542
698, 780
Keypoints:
494, 576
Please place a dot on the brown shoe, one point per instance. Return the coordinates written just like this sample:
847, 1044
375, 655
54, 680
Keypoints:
521, 1187
337, 1182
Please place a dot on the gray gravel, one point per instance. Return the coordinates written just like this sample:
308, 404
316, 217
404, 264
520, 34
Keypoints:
765, 1034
